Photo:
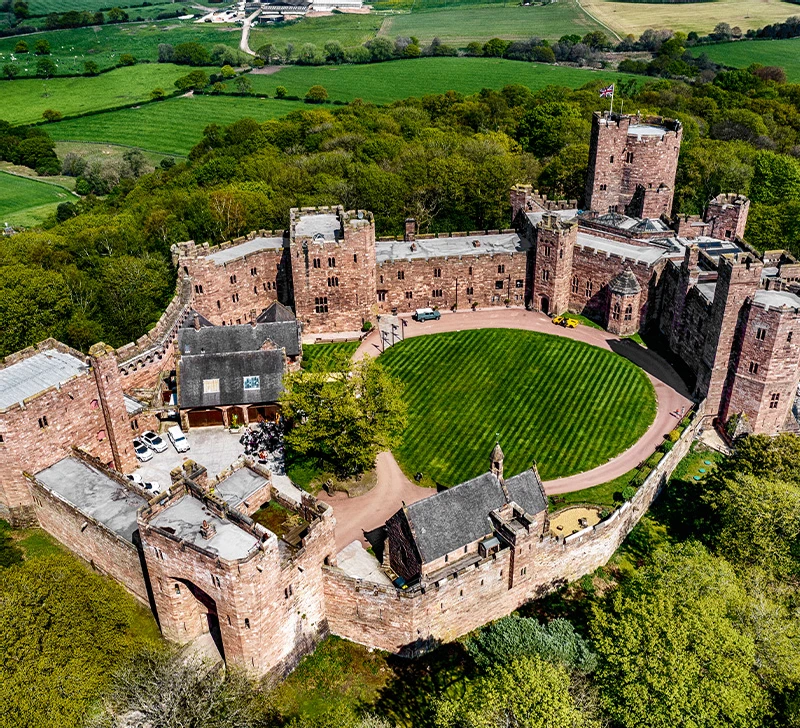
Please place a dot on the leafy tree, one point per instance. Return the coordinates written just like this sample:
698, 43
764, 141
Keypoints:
495, 48
158, 94
136, 162
671, 650
776, 177
21, 9
412, 50
45, 67
334, 52
117, 15
166, 53
527, 692
227, 72
41, 47
51, 115
344, 419
281, 92
316, 94
243, 85
10, 71
192, 54
565, 173
90, 68
381, 49
126, 59
195, 80
21, 47
309, 55
65, 211
549, 127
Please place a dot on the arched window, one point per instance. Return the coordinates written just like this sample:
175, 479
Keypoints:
628, 312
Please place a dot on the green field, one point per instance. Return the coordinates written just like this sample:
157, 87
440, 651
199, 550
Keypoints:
458, 26
27, 202
565, 404
326, 357
104, 44
170, 127
349, 30
383, 83
44, 7
24, 100
783, 53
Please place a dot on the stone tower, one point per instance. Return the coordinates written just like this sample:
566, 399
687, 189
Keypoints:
632, 164
497, 459
624, 294
555, 243
727, 216
333, 268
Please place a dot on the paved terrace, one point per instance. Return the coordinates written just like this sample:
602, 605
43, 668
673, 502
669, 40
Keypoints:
356, 515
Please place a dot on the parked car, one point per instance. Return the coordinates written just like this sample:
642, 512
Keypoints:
152, 487
153, 441
177, 438
426, 314
143, 453
135, 478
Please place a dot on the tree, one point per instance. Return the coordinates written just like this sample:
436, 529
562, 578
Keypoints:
126, 59
381, 49
51, 115
166, 53
549, 127
41, 47
334, 52
243, 85
671, 650
227, 72
158, 94
117, 15
193, 81
10, 71
136, 162
309, 55
528, 692
90, 68
281, 92
192, 54
316, 94
21, 9
495, 48
21, 47
45, 67
776, 177
344, 419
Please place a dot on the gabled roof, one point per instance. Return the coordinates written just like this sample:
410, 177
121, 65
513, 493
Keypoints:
275, 312
244, 337
459, 516
189, 322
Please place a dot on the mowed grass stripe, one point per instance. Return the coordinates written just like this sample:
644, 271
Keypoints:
565, 404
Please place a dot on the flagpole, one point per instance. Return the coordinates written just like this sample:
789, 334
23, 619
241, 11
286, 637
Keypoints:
611, 111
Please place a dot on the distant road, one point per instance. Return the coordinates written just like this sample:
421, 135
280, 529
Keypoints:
244, 44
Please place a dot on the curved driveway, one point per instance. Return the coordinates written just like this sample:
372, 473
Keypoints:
356, 515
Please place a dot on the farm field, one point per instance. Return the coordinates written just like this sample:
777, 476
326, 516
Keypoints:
104, 44
783, 53
169, 127
383, 83
458, 26
565, 404
349, 30
25, 99
632, 17
44, 7
27, 202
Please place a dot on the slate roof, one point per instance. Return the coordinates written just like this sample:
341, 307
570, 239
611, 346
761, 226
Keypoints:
230, 369
275, 312
458, 516
625, 284
245, 337
190, 317
36, 373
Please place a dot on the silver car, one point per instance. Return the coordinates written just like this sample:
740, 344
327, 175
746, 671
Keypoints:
143, 453
153, 441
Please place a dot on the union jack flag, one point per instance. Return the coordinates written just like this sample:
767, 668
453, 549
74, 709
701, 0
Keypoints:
607, 91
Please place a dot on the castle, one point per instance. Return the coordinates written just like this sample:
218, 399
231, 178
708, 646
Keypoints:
724, 313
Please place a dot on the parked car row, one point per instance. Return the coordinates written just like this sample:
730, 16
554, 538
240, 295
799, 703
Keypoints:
149, 442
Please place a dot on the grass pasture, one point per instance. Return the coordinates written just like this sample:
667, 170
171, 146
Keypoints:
382, 83
173, 126
45, 7
25, 99
27, 202
630, 17
567, 405
783, 53
349, 29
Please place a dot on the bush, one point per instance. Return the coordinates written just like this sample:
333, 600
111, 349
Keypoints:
51, 115
192, 54
316, 94
90, 68
628, 492
126, 59
674, 436
158, 94
366, 326
21, 47
280, 92
194, 81
10, 71
359, 54
41, 48
667, 446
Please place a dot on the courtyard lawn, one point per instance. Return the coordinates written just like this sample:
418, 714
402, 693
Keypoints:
383, 83
325, 357
173, 126
783, 53
567, 405
27, 202
24, 100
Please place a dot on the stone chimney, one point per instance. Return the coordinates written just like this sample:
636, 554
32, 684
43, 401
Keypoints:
411, 230
253, 317
497, 461
208, 530
196, 321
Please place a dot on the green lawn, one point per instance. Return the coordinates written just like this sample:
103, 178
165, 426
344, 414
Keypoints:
171, 127
458, 26
24, 100
383, 83
349, 30
324, 357
783, 53
27, 202
565, 404
104, 44
605, 494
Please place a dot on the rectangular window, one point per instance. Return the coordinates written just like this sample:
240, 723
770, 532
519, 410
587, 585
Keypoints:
470, 270
629, 157
437, 272
235, 298
519, 283
789, 336
546, 250
409, 294
575, 284
611, 159
588, 289
253, 271
219, 305
321, 304
233, 279
498, 285
317, 263
773, 400
761, 334
43, 422
753, 367
469, 290
251, 382
333, 281
381, 295
545, 275
436, 293
401, 275
331, 262
211, 386
355, 257
501, 269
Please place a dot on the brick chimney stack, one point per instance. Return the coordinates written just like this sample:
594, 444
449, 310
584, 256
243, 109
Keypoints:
411, 230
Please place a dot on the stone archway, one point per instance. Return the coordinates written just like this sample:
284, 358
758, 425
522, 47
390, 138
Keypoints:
544, 305
202, 610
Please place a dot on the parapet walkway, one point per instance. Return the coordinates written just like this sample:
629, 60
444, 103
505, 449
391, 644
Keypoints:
354, 516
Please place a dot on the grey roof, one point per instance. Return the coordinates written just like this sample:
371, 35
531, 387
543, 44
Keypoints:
185, 517
230, 369
640, 130
458, 516
536, 217
92, 492
132, 406
326, 226
36, 373
450, 247
236, 488
647, 254
188, 322
274, 313
242, 249
707, 290
244, 337
776, 299
625, 284
649, 225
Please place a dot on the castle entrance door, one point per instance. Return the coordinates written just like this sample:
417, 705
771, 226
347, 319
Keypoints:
544, 305
207, 612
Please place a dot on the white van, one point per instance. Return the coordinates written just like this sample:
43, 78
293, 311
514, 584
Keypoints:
177, 438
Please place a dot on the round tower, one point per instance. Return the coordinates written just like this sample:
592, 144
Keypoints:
623, 304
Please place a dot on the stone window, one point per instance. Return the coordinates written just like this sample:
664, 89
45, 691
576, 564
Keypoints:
355, 257
381, 279
436, 293
253, 271
470, 290
381, 295
575, 284
498, 285
629, 157
333, 282
2, 438
42, 422
235, 298
519, 283
761, 334
501, 269
251, 382
401, 275
545, 275
255, 289
247, 622
134, 425
789, 336
588, 289
317, 263
615, 312
611, 159
446, 558
321, 304
727, 233
470, 270
753, 367
198, 289
331, 262
409, 294
546, 251
603, 188
628, 312
437, 272
773, 400
233, 278
211, 386
219, 305
523, 571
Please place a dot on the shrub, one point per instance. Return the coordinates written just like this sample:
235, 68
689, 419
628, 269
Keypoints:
366, 326
666, 446
158, 94
227, 71
192, 54
194, 80
628, 492
358, 54
167, 163
42, 48
166, 53
674, 436
90, 68
10, 71
21, 47
51, 115
126, 59
280, 92
45, 67
316, 94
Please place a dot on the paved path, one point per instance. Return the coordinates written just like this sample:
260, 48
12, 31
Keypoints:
244, 43
356, 515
